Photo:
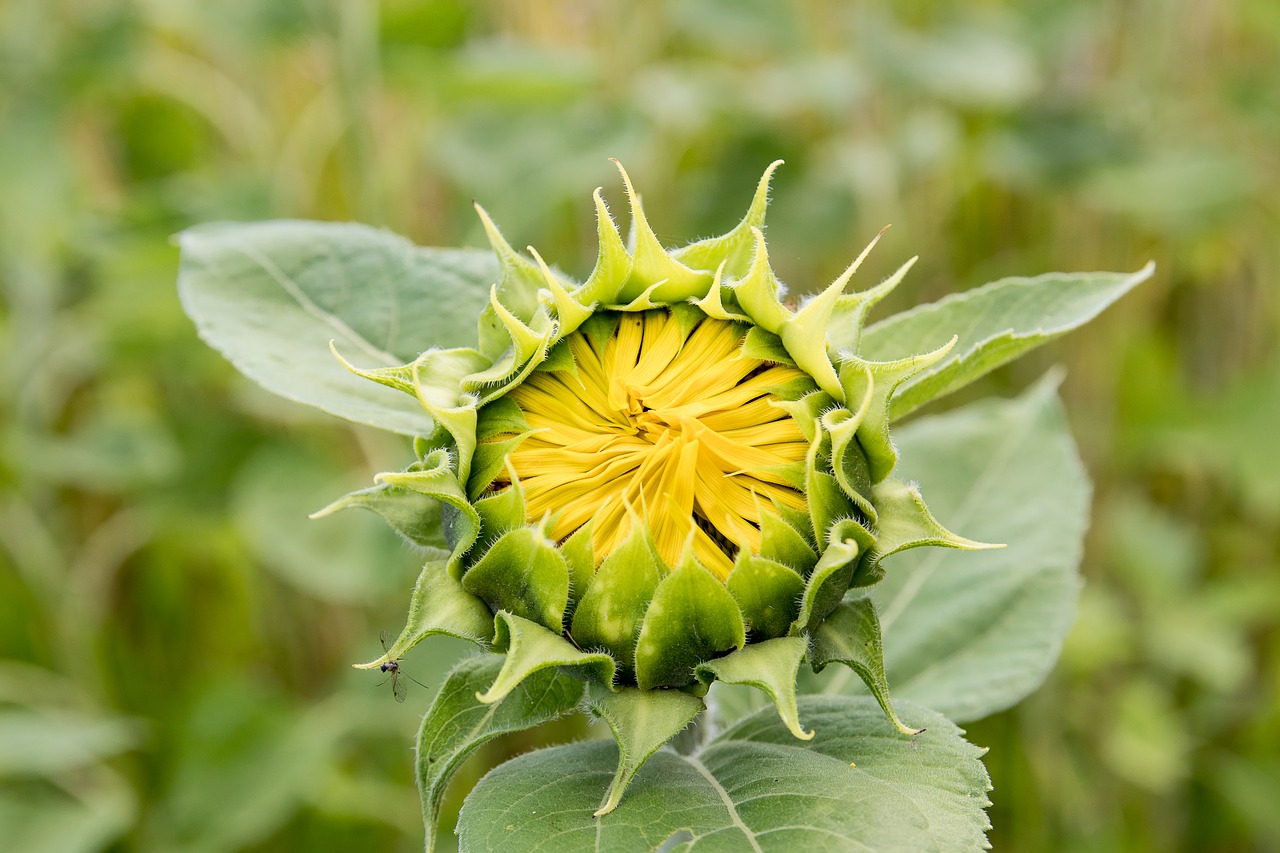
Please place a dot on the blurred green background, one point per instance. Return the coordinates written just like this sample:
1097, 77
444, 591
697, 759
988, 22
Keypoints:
175, 636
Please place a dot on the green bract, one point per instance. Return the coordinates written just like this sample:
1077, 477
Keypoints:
635, 486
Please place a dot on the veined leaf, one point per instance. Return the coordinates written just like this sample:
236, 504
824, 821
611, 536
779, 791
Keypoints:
458, 723
996, 323
967, 633
858, 785
271, 295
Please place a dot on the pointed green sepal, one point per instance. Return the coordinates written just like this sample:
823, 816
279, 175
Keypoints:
523, 573
521, 279
767, 592
501, 417
691, 618
459, 421
767, 346
439, 606
804, 334
580, 556
759, 291
770, 667
906, 522
439, 373
884, 378
413, 515
611, 611
833, 574
613, 263
600, 328
851, 635
457, 724
400, 378
530, 648
506, 374
517, 290
713, 303
435, 478
806, 410
501, 511
570, 313
848, 462
782, 543
827, 501
647, 299
442, 371
734, 248
560, 360
653, 270
641, 722
525, 340
490, 459
850, 316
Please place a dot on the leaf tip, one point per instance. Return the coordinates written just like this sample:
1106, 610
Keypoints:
329, 509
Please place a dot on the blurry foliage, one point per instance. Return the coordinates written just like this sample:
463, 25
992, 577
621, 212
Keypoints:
174, 677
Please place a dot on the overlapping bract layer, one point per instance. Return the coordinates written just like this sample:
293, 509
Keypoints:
642, 472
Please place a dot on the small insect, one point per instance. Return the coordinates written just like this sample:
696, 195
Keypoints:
399, 689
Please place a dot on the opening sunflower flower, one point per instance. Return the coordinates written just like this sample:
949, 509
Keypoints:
661, 477
664, 417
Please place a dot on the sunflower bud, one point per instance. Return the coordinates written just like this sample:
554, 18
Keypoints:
661, 477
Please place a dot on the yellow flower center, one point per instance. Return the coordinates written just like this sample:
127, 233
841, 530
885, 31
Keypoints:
665, 423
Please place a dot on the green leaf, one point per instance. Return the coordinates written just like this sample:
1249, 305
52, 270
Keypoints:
531, 648
851, 635
412, 514
612, 609
439, 606
457, 723
641, 722
767, 592
972, 633
858, 785
49, 742
833, 573
769, 667
271, 295
997, 323
525, 574
905, 522
435, 478
691, 618
782, 543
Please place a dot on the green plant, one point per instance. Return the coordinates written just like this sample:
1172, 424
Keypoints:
650, 488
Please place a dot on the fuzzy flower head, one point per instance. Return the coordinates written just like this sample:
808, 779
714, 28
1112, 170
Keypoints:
662, 476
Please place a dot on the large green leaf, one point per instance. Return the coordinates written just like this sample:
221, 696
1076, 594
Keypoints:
858, 785
965, 633
458, 723
271, 295
49, 742
996, 323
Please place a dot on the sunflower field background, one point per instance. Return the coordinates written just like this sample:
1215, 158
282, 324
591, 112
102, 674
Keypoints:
175, 636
